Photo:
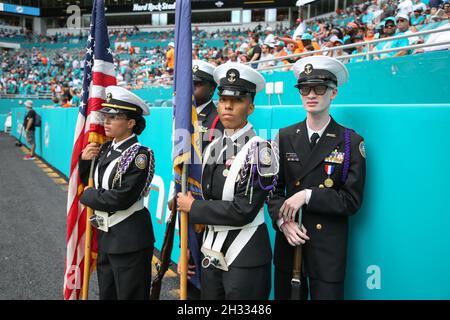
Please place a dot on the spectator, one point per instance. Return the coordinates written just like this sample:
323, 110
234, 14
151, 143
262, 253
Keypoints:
369, 34
368, 15
255, 50
270, 38
29, 127
390, 24
308, 48
350, 31
446, 8
417, 18
333, 43
419, 4
280, 52
75, 101
438, 38
435, 3
266, 54
405, 7
358, 49
243, 58
65, 102
170, 57
402, 28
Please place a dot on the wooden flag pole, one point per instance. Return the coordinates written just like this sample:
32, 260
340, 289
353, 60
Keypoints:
184, 240
88, 240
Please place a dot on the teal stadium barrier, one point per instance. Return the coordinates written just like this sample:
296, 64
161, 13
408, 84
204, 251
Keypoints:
2, 122
399, 243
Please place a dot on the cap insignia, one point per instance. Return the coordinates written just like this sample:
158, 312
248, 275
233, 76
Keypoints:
232, 75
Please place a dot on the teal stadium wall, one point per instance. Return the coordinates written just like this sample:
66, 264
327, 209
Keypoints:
402, 109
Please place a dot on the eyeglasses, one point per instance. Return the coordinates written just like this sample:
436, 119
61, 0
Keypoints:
389, 26
401, 20
319, 90
113, 117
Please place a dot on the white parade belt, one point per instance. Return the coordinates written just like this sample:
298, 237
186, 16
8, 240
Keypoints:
211, 247
104, 221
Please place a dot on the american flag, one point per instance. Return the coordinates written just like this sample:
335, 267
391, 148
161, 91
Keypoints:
98, 74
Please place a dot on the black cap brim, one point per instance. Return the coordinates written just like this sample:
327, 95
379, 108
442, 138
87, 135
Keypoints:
109, 110
233, 92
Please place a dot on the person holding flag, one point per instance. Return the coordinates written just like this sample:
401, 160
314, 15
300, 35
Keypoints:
239, 172
209, 127
123, 174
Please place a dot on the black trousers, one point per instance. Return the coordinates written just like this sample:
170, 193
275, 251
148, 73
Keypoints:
193, 293
236, 283
125, 276
314, 288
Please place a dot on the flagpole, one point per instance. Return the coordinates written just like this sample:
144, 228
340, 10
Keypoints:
184, 239
88, 240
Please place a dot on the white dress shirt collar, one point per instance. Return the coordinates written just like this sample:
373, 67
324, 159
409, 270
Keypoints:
237, 134
115, 144
202, 106
320, 132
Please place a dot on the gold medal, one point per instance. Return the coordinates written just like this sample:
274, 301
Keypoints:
321, 186
225, 172
328, 183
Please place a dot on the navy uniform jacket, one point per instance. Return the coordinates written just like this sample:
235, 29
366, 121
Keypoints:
326, 215
206, 118
136, 232
238, 212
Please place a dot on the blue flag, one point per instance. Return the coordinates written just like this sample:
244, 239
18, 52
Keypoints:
186, 138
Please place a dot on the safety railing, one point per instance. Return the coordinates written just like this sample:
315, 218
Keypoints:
367, 44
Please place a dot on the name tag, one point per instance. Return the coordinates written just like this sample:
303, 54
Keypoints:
292, 157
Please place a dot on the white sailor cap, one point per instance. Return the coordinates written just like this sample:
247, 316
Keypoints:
121, 100
320, 70
237, 79
202, 71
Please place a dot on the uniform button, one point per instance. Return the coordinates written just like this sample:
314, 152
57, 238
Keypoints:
207, 186
318, 226
297, 184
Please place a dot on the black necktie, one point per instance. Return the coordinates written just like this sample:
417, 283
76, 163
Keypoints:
315, 136
109, 150
228, 145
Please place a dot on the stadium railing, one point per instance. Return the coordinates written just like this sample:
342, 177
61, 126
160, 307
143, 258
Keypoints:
367, 44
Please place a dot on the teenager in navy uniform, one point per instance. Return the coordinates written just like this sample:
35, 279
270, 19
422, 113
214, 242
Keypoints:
210, 126
322, 172
239, 172
123, 173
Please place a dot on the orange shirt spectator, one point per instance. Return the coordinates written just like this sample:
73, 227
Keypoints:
65, 103
170, 56
280, 52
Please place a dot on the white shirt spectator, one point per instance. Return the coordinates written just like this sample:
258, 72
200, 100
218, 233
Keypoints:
268, 63
270, 39
419, 4
75, 64
300, 30
439, 37
405, 7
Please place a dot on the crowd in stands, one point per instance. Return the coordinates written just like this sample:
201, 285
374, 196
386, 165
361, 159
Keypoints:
58, 72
